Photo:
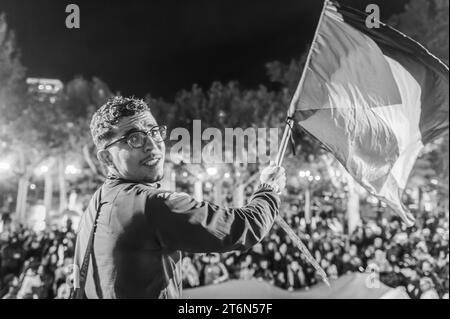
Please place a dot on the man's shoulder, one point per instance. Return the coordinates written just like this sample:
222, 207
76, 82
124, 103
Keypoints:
175, 201
134, 189
153, 196
152, 193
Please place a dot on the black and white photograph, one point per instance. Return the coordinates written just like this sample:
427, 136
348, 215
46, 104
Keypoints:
251, 150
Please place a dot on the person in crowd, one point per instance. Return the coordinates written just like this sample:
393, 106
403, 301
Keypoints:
215, 272
295, 276
347, 266
247, 268
263, 272
427, 289
13, 288
31, 284
380, 261
63, 291
231, 262
280, 280
190, 274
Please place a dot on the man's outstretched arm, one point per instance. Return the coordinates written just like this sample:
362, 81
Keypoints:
182, 223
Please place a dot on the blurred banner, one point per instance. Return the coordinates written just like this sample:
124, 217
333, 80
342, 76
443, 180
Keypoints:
350, 286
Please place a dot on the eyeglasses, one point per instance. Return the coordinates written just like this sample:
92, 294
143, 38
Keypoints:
137, 139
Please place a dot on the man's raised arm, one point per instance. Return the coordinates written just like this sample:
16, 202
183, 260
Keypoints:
182, 223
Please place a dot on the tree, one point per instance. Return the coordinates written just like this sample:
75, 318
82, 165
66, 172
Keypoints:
34, 137
81, 98
69, 137
57, 132
426, 21
12, 75
37, 129
12, 93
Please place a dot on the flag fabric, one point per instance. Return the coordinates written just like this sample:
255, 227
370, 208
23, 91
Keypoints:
373, 97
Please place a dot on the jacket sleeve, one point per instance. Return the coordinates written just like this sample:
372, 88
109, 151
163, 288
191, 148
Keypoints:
182, 223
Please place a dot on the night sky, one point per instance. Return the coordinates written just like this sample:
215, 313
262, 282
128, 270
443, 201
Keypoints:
160, 47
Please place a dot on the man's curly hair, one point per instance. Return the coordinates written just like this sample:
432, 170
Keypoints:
105, 118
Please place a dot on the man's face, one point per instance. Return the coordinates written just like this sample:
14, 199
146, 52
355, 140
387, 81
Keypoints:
144, 164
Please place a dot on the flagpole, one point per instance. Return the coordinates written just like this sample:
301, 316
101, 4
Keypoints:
282, 150
290, 121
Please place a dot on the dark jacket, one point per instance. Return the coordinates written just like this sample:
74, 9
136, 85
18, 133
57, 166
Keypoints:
142, 229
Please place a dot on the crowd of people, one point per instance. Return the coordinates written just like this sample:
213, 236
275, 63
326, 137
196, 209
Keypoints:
38, 264
416, 258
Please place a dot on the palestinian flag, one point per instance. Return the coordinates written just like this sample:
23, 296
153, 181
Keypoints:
373, 98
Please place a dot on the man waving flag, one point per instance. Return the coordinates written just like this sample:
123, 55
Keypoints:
373, 97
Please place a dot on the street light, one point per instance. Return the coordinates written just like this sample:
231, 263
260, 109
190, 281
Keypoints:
212, 171
5, 166
42, 169
72, 170
208, 185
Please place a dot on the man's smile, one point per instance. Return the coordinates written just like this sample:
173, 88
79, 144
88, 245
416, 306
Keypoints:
151, 160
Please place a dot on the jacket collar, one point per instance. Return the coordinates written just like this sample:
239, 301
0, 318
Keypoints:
113, 180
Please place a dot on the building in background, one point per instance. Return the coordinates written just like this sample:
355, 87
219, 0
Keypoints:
45, 88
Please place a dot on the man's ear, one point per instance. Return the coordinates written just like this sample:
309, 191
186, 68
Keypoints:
104, 156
